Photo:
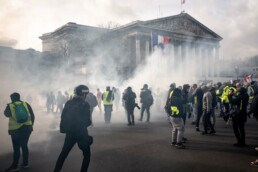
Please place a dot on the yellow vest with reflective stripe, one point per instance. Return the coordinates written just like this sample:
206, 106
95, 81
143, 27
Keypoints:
251, 97
170, 94
105, 101
13, 124
174, 111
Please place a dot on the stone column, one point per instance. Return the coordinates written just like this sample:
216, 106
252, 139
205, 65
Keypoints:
138, 50
217, 68
147, 48
210, 62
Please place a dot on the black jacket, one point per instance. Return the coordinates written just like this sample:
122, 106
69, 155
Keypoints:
146, 97
241, 101
129, 98
75, 117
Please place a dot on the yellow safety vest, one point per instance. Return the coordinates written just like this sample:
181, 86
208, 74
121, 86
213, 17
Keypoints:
171, 94
224, 96
174, 111
252, 90
105, 101
13, 124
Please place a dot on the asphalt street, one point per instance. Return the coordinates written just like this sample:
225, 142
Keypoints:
144, 147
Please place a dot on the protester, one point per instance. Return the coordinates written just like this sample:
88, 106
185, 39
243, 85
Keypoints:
177, 120
129, 100
99, 99
239, 114
108, 98
147, 100
75, 119
21, 120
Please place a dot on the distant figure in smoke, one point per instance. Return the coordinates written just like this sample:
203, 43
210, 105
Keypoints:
129, 101
147, 100
21, 120
60, 101
198, 95
50, 102
92, 100
117, 97
75, 119
99, 99
108, 98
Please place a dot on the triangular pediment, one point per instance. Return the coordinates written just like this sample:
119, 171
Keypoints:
182, 23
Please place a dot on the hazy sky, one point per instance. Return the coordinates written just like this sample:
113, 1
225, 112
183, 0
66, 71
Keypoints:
22, 22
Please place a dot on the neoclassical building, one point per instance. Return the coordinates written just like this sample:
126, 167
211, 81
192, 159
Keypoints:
181, 36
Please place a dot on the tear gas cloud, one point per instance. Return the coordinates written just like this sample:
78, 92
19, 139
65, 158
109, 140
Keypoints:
159, 70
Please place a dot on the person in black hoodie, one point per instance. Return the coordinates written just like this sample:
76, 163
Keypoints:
129, 100
239, 115
199, 94
176, 118
147, 100
75, 119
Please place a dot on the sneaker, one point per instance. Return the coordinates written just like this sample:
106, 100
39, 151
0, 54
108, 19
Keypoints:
173, 144
212, 132
180, 146
197, 129
184, 140
204, 133
193, 123
24, 166
12, 169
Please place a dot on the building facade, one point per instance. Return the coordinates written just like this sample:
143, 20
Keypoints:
182, 37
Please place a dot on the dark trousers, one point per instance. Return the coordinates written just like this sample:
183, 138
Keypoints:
130, 116
207, 121
108, 110
199, 115
83, 144
239, 130
20, 140
226, 108
147, 108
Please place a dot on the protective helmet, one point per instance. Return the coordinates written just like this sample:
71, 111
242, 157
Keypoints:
81, 89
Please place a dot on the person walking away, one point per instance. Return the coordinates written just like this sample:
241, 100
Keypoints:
176, 118
21, 120
193, 100
239, 114
214, 103
219, 91
108, 98
75, 119
207, 110
168, 101
60, 100
199, 95
129, 100
147, 100
92, 100
99, 99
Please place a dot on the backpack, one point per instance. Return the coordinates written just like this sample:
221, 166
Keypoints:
72, 119
21, 112
150, 99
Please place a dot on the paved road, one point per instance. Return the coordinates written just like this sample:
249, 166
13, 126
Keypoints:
146, 148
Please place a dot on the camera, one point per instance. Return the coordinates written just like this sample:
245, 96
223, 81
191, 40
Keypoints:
136, 105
